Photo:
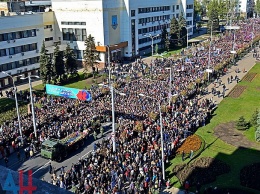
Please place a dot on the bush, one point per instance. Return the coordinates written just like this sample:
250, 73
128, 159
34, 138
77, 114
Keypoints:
164, 108
139, 127
104, 90
154, 116
254, 118
241, 124
193, 143
203, 170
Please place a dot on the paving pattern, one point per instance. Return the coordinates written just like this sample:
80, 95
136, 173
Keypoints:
249, 77
228, 133
237, 91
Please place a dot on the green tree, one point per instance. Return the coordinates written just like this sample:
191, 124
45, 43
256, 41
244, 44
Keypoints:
174, 27
167, 42
254, 118
156, 48
213, 16
58, 64
257, 7
91, 55
182, 31
198, 9
204, 4
241, 124
45, 65
70, 61
222, 9
163, 36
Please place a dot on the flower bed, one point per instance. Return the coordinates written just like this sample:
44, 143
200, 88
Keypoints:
193, 143
249, 176
203, 170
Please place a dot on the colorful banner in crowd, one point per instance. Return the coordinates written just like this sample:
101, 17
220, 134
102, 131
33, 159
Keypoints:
68, 92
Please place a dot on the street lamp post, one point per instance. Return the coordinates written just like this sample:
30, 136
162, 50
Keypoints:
161, 131
16, 104
210, 48
32, 104
170, 88
187, 28
113, 112
252, 35
108, 61
152, 37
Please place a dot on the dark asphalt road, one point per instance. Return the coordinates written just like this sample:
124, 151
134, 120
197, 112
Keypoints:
39, 165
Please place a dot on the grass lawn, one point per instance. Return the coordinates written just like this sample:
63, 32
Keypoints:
81, 84
230, 109
8, 109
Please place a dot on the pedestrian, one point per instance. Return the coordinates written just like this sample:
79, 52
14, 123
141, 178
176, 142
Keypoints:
231, 79
228, 80
219, 94
50, 168
62, 169
95, 135
191, 154
6, 161
26, 152
183, 156
168, 184
187, 186
31, 153
101, 130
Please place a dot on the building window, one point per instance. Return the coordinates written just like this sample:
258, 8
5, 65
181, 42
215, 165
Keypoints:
84, 34
132, 13
177, 7
189, 15
47, 26
11, 51
189, 23
2, 52
78, 35
49, 39
173, 8
73, 23
65, 34
189, 6
177, 15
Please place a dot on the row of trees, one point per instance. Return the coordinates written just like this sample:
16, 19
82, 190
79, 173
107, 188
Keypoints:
57, 67
60, 66
176, 36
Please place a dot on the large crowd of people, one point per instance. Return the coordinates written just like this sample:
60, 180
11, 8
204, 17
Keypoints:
136, 166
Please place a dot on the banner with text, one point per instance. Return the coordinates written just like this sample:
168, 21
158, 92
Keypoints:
68, 92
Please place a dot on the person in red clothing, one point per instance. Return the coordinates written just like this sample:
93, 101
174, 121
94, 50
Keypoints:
187, 186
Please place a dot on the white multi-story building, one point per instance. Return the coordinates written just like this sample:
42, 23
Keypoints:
21, 38
121, 27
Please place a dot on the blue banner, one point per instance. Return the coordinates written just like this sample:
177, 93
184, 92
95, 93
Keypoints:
68, 92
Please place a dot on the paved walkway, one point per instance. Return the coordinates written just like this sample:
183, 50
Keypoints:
245, 63
227, 132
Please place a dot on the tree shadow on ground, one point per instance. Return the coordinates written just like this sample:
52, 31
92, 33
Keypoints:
205, 171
